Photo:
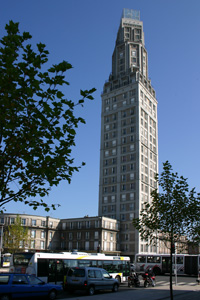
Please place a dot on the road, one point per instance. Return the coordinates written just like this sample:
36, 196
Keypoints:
185, 289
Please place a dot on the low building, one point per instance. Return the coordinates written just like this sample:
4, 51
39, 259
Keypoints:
88, 234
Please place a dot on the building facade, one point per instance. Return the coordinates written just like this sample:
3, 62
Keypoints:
88, 234
129, 137
43, 232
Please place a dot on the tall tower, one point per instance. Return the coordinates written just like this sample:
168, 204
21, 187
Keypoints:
129, 136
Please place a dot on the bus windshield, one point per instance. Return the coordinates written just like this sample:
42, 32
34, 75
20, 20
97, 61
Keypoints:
21, 259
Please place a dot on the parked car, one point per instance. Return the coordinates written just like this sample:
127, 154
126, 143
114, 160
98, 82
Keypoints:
22, 285
90, 279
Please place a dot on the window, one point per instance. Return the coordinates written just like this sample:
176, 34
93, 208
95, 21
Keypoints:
50, 235
42, 234
87, 224
78, 235
23, 221
122, 207
71, 225
96, 234
114, 142
113, 198
2, 220
105, 199
42, 245
12, 220
113, 151
123, 197
79, 225
33, 222
43, 223
122, 217
87, 235
33, 234
106, 153
87, 245
32, 244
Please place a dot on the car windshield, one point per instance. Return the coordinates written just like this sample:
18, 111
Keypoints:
106, 274
34, 280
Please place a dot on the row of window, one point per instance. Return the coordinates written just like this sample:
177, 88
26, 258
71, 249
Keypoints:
87, 235
42, 234
124, 197
123, 207
124, 149
80, 224
106, 246
26, 222
124, 187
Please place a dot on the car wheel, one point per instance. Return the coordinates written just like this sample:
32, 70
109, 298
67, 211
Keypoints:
115, 287
52, 295
5, 297
91, 290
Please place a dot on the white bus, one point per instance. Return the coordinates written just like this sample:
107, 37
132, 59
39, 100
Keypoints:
53, 267
160, 263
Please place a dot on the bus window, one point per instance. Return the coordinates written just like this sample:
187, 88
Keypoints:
100, 264
157, 259
116, 266
94, 263
108, 266
84, 263
150, 259
141, 259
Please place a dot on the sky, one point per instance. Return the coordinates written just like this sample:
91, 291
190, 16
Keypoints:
83, 32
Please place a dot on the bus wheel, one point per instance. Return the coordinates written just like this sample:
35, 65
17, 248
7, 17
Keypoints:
52, 295
118, 278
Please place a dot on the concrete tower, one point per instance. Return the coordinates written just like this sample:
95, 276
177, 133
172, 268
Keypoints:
129, 137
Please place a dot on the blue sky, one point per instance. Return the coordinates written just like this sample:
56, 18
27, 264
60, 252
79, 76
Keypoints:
83, 32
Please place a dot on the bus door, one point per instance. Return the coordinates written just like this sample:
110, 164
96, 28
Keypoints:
56, 271
165, 264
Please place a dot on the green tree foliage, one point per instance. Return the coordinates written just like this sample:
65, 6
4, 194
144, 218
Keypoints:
16, 237
38, 124
173, 213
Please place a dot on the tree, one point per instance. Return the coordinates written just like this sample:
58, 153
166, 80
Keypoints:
16, 237
173, 213
38, 124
